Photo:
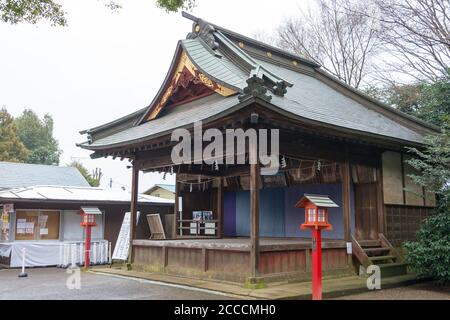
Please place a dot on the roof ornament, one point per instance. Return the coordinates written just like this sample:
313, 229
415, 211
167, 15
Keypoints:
255, 88
205, 31
280, 88
260, 82
89, 137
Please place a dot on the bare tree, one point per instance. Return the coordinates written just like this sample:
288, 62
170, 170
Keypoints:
417, 37
341, 35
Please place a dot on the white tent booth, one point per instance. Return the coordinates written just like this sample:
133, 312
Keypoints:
52, 237
45, 221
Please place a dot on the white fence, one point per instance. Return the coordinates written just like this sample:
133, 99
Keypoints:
72, 253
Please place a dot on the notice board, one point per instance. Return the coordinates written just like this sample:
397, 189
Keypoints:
123, 240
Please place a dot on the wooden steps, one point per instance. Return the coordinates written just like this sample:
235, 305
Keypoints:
379, 252
382, 258
393, 269
375, 251
369, 243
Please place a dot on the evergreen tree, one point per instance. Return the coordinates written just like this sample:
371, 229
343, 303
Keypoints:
11, 147
93, 179
37, 136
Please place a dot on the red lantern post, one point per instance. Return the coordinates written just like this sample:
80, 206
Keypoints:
88, 221
316, 219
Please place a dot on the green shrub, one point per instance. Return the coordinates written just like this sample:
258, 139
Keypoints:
429, 255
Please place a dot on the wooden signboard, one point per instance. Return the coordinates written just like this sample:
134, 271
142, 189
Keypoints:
156, 226
123, 240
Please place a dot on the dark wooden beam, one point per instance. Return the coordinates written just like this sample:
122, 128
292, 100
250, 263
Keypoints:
220, 207
402, 163
346, 187
254, 218
380, 201
316, 148
197, 170
133, 209
176, 208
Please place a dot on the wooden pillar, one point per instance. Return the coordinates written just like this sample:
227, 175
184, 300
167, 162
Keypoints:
220, 207
133, 209
380, 200
254, 219
308, 261
164, 257
346, 187
176, 209
204, 260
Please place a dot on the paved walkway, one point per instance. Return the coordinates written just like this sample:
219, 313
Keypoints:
50, 284
106, 283
299, 290
419, 291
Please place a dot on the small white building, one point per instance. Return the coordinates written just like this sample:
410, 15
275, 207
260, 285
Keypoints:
45, 219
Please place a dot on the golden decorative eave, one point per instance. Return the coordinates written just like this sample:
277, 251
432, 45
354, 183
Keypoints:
184, 63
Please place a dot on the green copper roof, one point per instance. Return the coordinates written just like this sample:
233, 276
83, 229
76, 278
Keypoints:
219, 68
198, 110
299, 92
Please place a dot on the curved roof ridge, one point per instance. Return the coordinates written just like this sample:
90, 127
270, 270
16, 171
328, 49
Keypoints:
223, 35
256, 64
255, 42
199, 66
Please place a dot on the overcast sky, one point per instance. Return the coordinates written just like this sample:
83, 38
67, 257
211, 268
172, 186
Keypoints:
107, 64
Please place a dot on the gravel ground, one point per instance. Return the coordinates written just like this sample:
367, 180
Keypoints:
420, 291
50, 284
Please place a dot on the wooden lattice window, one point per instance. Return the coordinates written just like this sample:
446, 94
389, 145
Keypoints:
311, 215
321, 215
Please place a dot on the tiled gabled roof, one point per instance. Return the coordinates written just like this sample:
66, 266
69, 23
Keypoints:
14, 175
76, 194
286, 83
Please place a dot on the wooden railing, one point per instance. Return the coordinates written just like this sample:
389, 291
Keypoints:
386, 243
360, 254
199, 227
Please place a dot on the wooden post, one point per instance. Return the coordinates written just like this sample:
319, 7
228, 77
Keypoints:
204, 260
176, 210
346, 181
164, 257
133, 209
220, 207
380, 201
308, 261
254, 219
